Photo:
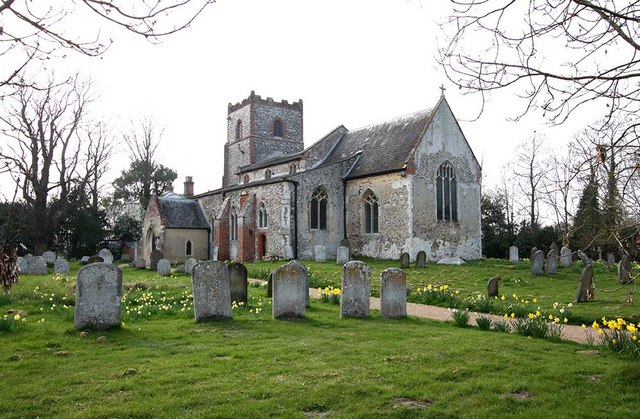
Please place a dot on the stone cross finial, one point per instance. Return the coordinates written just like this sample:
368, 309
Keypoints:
443, 89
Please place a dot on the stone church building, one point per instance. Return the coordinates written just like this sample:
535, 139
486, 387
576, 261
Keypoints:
405, 185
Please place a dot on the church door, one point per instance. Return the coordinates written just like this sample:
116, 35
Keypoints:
262, 246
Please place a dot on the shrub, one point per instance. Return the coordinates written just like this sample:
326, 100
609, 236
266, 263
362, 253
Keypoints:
484, 323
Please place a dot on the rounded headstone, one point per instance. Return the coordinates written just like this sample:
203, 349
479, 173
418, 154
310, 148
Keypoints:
106, 255
290, 291
238, 282
393, 293
164, 267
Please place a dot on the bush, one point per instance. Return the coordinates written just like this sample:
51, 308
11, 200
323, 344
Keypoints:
484, 323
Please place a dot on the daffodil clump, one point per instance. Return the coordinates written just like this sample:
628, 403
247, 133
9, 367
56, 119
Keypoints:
153, 302
254, 306
537, 325
11, 321
437, 295
619, 335
330, 295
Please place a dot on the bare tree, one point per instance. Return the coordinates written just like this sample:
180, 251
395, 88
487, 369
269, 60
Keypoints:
530, 170
560, 191
39, 30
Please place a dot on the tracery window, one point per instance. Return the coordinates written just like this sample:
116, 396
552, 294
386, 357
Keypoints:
370, 208
262, 216
233, 225
277, 128
318, 209
446, 193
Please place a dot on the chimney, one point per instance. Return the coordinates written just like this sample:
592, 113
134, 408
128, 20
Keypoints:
188, 187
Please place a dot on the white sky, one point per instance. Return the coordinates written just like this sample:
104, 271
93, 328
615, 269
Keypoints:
355, 63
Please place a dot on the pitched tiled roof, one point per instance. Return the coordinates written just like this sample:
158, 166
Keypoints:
179, 212
385, 147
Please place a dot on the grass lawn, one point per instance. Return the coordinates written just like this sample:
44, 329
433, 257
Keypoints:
163, 364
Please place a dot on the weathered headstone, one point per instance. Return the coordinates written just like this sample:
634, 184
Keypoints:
23, 265
624, 270
164, 267
288, 251
404, 260
270, 285
555, 247
566, 259
238, 283
356, 289
106, 255
451, 260
611, 259
514, 257
290, 284
95, 259
492, 287
154, 257
49, 257
342, 255
552, 261
537, 262
211, 294
321, 253
98, 295
393, 293
38, 266
421, 259
585, 287
61, 266
189, 264
583, 257
533, 251
141, 263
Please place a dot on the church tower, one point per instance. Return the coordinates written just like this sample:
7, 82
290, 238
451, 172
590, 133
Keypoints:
259, 130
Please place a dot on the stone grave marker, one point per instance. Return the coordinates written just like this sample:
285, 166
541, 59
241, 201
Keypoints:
141, 263
451, 260
514, 257
106, 255
611, 259
38, 266
84, 260
342, 255
585, 287
98, 295
537, 262
566, 259
404, 260
49, 257
164, 267
552, 262
421, 259
533, 251
288, 251
211, 293
290, 291
393, 293
238, 283
321, 253
492, 287
356, 289
624, 270
61, 266
555, 247
270, 285
95, 259
154, 257
189, 264
23, 265
583, 257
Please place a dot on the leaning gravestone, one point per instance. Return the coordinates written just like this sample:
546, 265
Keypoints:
624, 270
393, 293
38, 266
238, 284
342, 255
154, 257
106, 255
164, 267
61, 266
356, 289
552, 261
290, 284
537, 262
98, 295
404, 260
492, 286
211, 294
49, 257
585, 287
421, 259
189, 264
513, 254
321, 253
566, 259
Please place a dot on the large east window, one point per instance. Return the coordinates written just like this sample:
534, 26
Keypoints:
446, 193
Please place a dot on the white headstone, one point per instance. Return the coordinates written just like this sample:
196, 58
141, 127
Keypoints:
321, 253
61, 266
514, 256
566, 259
342, 255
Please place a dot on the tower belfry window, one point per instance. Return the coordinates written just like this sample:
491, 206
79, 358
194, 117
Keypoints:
277, 128
239, 129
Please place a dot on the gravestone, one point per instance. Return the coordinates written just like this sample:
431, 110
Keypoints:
404, 260
214, 253
393, 293
49, 257
533, 251
164, 267
599, 253
38, 266
611, 259
451, 260
95, 259
321, 253
552, 262
154, 257
290, 291
238, 283
537, 262
98, 295
84, 260
421, 259
624, 270
585, 287
583, 257
514, 257
211, 294
555, 247
566, 259
342, 255
61, 266
189, 264
23, 266
141, 263
270, 285
492, 286
106, 255
356, 289
288, 251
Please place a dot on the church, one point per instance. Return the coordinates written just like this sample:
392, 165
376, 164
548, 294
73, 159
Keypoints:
410, 184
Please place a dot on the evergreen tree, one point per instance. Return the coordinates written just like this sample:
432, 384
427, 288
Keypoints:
588, 220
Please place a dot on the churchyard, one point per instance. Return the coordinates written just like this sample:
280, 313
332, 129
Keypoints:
162, 363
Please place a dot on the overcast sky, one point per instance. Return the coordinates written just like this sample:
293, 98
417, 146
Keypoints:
354, 63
